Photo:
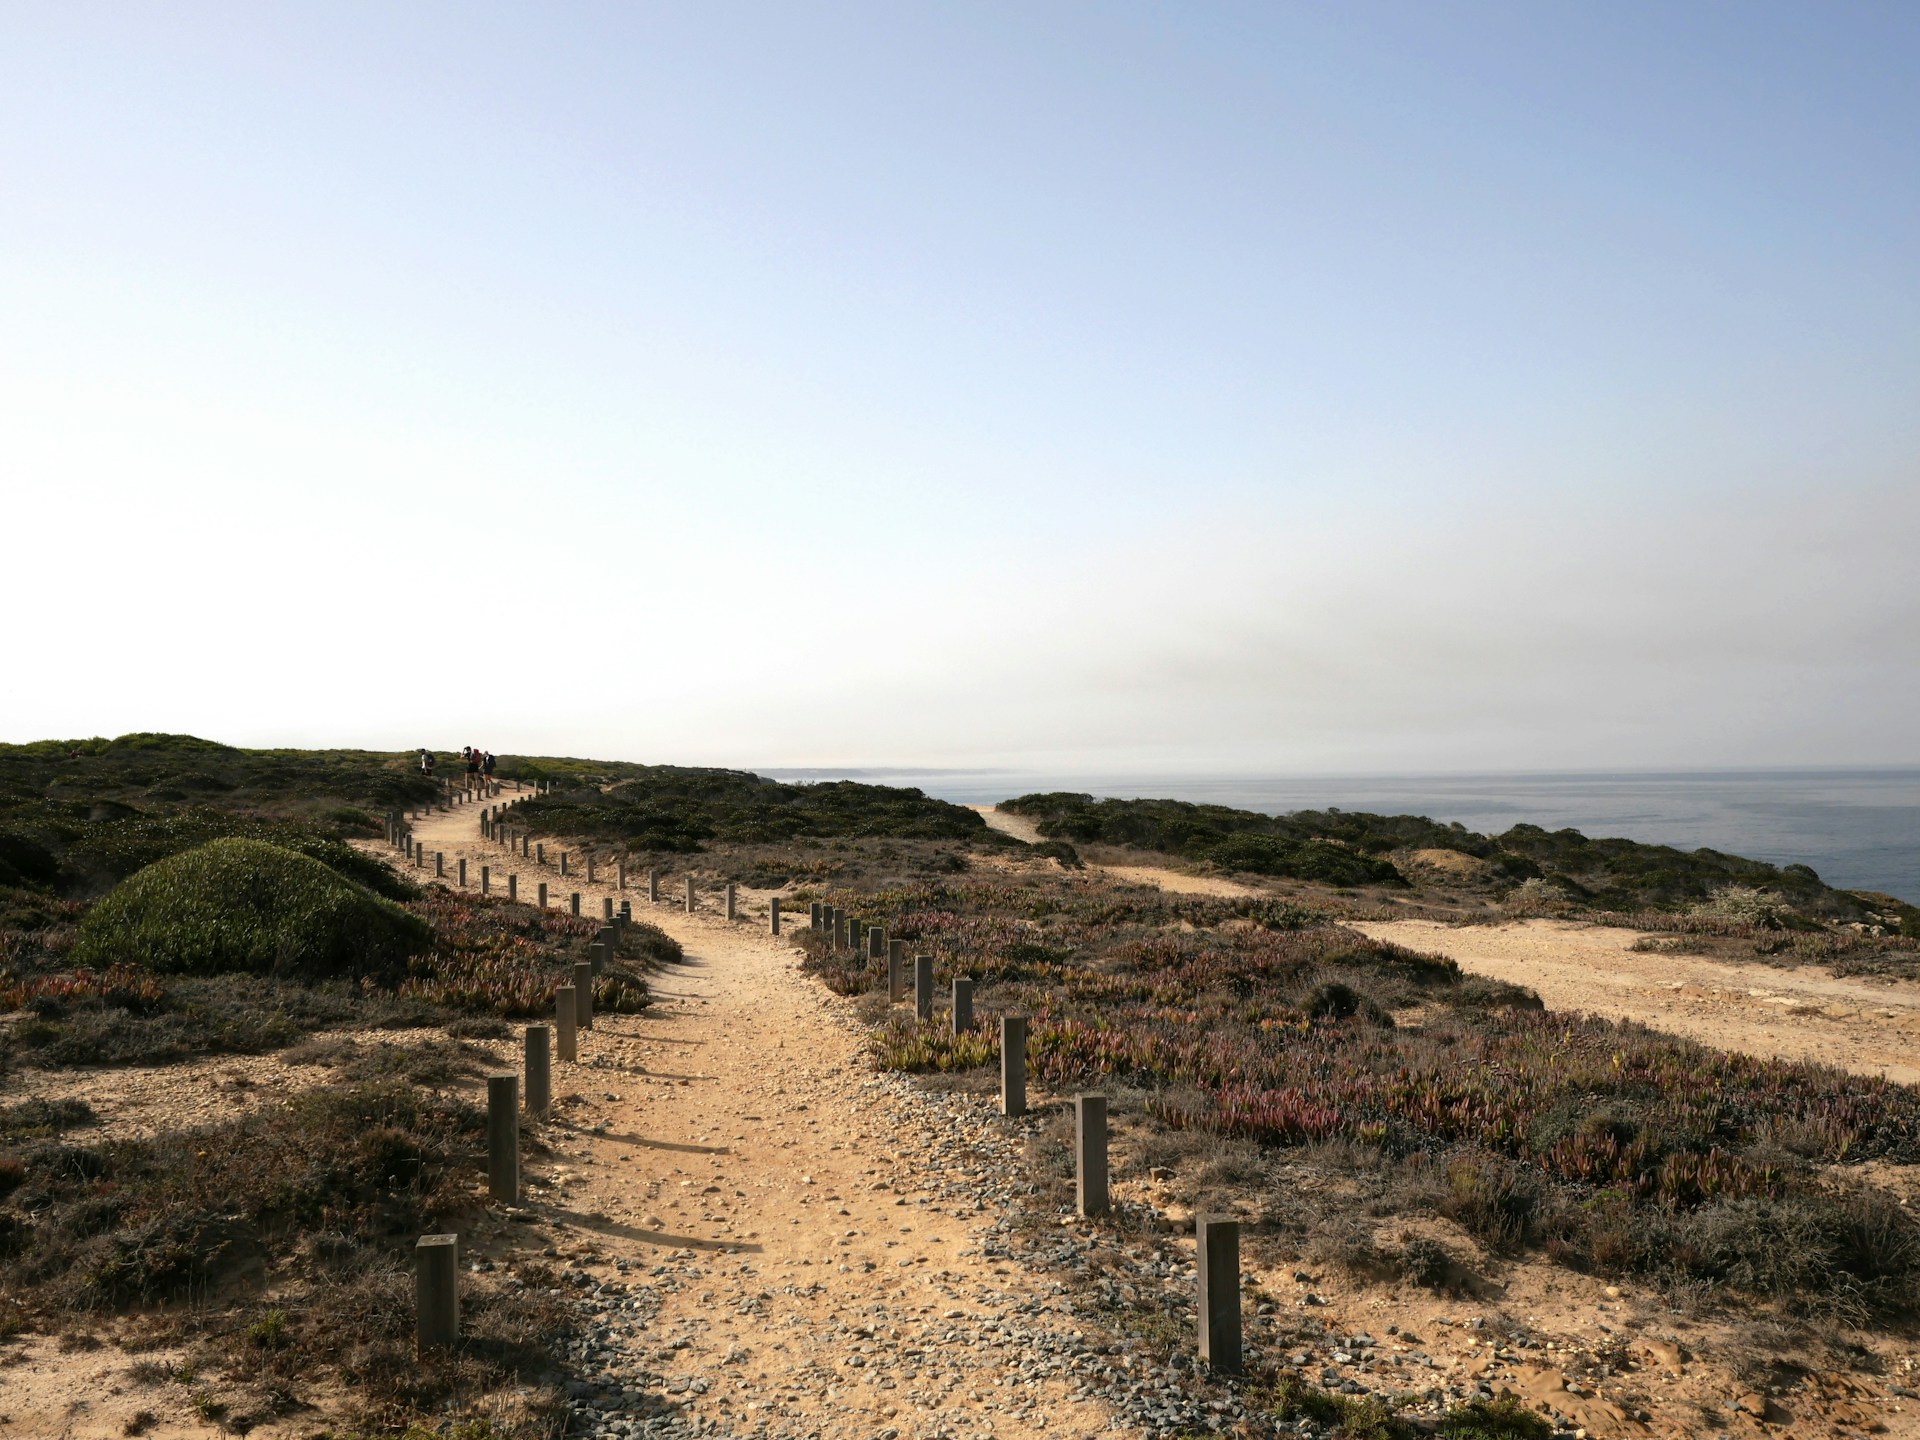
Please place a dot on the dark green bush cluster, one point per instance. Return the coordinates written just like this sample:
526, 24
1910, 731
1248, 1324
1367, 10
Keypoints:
247, 906
77, 817
677, 809
1339, 847
1231, 839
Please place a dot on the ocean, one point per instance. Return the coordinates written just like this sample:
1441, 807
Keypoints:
1860, 829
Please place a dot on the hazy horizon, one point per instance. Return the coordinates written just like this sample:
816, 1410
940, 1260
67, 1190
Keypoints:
1239, 388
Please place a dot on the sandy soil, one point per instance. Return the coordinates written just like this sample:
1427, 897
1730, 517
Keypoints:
1177, 882
1869, 1027
736, 1133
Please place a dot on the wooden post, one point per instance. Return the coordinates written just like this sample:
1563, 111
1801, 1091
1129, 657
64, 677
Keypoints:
923, 986
621, 867
543, 894
589, 867
689, 895
566, 1020
773, 916
730, 907
573, 902
1218, 1267
606, 907
1013, 1065
962, 1004
439, 864
513, 887
540, 853
1090, 1153
486, 880
583, 994
463, 872
436, 1292
539, 1069
563, 862
813, 915
876, 942
653, 886
503, 1137
896, 971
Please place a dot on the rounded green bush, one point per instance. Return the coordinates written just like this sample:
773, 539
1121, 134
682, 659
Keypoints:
245, 906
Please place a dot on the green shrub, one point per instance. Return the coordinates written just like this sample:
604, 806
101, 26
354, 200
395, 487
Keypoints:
246, 906
1502, 1419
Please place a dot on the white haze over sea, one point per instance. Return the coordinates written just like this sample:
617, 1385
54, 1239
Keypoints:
1860, 829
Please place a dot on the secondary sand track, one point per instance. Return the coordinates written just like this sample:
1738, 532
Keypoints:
1803, 1013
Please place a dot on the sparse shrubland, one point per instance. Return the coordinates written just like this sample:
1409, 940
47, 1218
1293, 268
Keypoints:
1607, 1147
326, 1193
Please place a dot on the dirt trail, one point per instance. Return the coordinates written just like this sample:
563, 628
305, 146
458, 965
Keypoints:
1176, 881
810, 1234
1798, 1014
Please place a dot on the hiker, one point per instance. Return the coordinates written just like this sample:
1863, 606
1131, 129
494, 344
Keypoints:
426, 763
486, 766
473, 764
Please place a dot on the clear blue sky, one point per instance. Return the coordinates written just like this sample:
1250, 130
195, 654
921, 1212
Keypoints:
1290, 387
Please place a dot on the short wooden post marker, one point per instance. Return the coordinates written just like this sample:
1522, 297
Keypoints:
573, 902
689, 895
503, 1137
731, 915
1013, 1065
486, 879
962, 1004
896, 971
439, 864
773, 916
539, 1069
1218, 1270
1090, 1153
653, 886
923, 986
436, 1292
583, 994
463, 872
543, 894
566, 1019
513, 887
606, 907
813, 915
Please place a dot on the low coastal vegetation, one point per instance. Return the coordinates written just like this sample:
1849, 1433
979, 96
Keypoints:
1365, 1108
165, 901
673, 809
1536, 868
1603, 1147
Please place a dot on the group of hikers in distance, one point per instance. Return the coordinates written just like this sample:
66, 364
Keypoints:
479, 763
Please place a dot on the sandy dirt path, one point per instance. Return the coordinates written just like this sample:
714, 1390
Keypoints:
790, 1241
1797, 1014
1177, 882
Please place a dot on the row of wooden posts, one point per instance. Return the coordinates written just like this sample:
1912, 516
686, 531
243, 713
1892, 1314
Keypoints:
1218, 1236
436, 1280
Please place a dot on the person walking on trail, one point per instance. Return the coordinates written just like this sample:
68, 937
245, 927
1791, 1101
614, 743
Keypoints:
426, 763
473, 764
486, 764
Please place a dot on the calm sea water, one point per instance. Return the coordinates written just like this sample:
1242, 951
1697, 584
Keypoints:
1860, 829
